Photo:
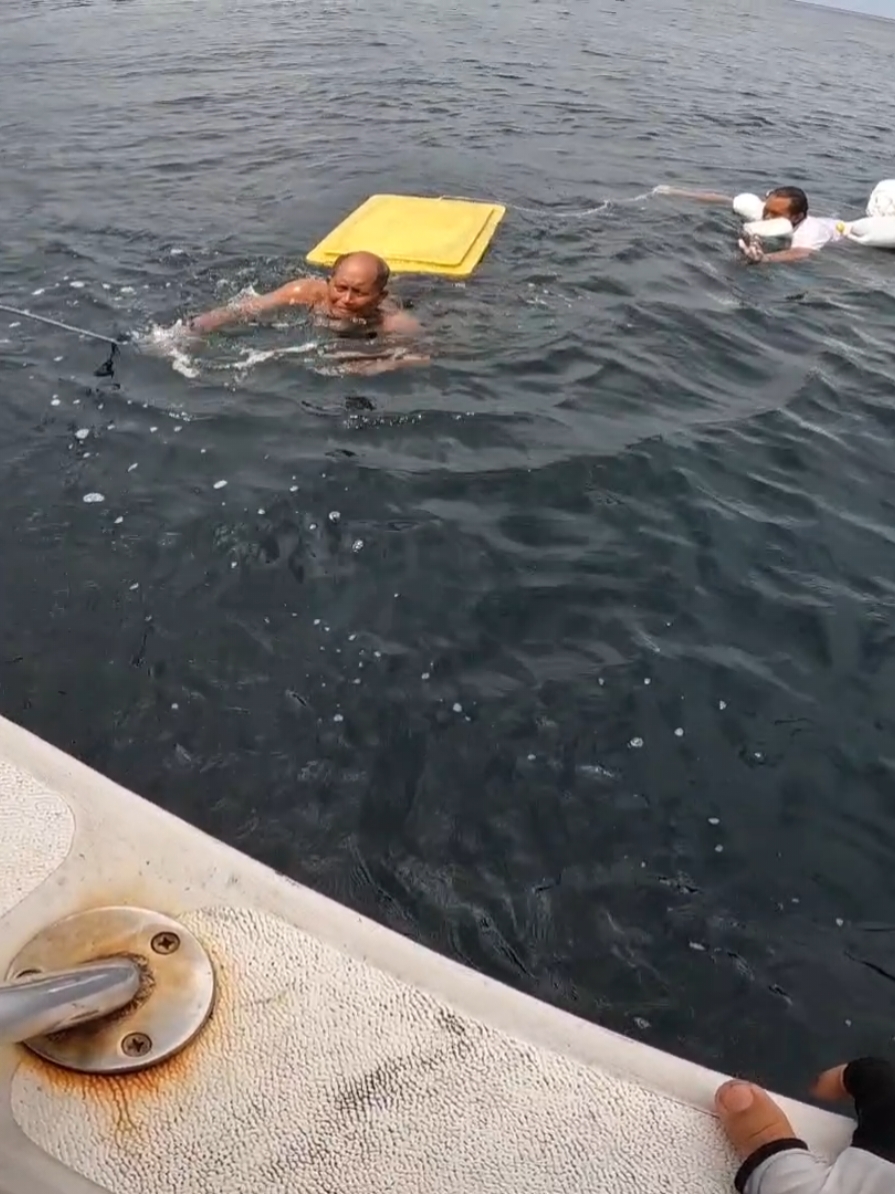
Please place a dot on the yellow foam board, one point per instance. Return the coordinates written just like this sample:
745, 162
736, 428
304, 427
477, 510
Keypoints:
415, 235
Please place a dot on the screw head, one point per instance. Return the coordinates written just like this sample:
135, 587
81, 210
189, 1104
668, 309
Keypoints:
165, 943
136, 1044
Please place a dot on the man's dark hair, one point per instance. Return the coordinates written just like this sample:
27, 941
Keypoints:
798, 200
383, 273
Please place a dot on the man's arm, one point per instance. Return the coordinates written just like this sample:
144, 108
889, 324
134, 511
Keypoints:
787, 255
754, 253
304, 292
368, 366
699, 196
399, 323
369, 369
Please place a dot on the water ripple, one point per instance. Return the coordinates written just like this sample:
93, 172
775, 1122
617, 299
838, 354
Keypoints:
569, 656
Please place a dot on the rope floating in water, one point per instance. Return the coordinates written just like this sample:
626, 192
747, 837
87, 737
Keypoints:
56, 323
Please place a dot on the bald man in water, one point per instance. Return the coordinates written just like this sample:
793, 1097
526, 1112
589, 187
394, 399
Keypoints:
354, 296
355, 293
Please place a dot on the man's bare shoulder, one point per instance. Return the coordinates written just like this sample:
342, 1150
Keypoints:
308, 291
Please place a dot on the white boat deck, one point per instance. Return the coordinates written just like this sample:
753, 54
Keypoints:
341, 1058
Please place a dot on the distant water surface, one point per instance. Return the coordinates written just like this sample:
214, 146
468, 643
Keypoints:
572, 656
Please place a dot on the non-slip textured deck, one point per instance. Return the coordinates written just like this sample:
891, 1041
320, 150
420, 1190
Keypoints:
340, 1057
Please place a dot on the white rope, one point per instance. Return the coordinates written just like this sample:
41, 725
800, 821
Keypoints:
55, 323
544, 211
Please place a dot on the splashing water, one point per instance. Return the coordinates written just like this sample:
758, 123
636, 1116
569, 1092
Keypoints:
170, 342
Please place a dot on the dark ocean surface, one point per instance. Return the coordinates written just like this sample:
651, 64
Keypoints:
571, 656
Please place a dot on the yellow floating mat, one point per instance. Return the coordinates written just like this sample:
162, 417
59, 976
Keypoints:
414, 235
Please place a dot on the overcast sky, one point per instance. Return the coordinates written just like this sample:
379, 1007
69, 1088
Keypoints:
880, 8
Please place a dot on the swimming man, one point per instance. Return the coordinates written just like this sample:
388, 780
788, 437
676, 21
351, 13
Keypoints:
353, 298
810, 233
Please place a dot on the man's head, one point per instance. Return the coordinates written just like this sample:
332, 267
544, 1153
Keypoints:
789, 202
357, 285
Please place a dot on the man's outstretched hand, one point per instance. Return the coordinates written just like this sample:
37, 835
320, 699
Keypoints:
751, 249
776, 1161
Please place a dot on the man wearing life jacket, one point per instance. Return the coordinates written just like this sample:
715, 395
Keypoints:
810, 233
